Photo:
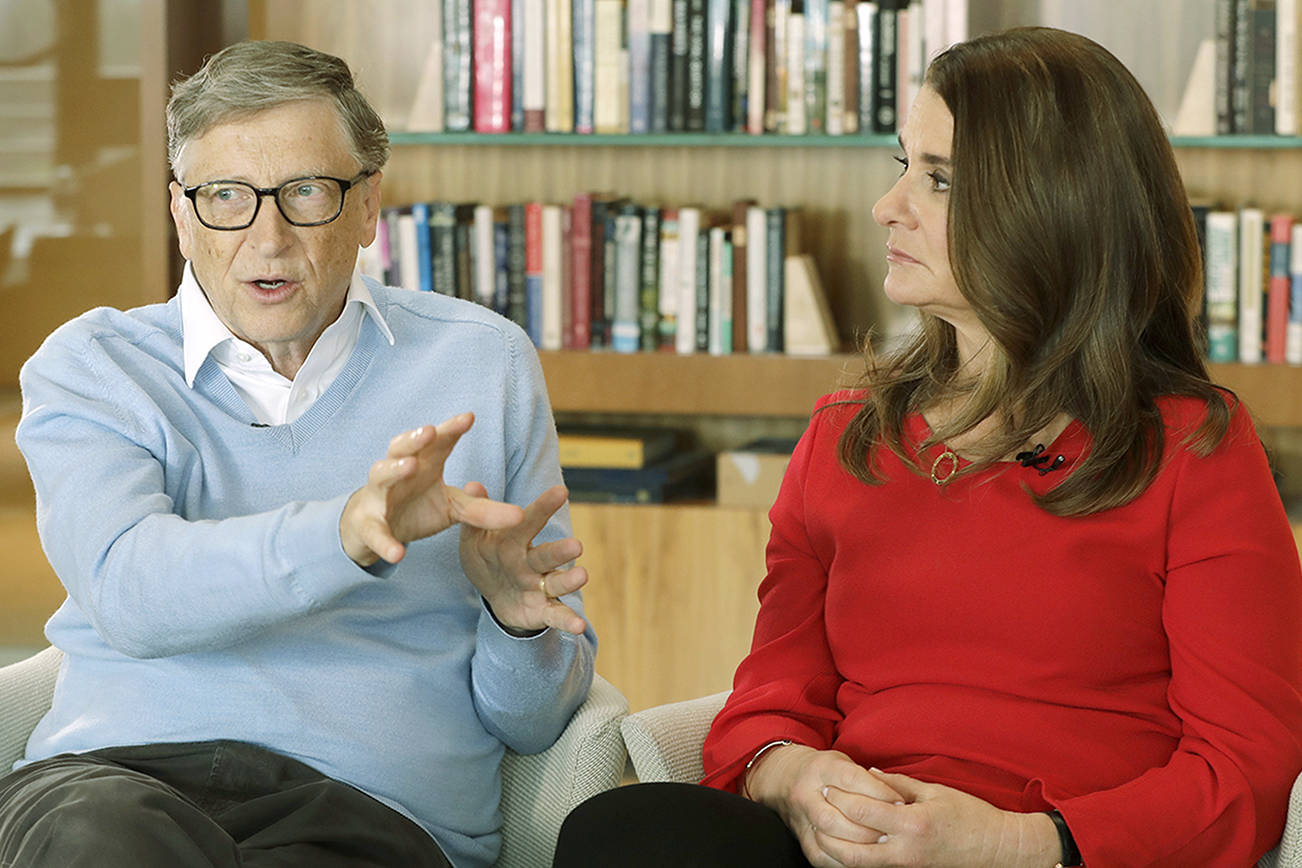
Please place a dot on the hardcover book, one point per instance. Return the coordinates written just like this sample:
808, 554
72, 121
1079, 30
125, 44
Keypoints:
683, 475
627, 448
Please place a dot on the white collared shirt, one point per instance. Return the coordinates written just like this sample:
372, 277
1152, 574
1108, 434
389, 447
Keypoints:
273, 398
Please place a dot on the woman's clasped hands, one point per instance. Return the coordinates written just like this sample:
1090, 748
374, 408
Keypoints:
846, 816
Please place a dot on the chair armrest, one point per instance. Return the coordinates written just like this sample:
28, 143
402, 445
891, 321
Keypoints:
665, 742
539, 790
26, 688
1288, 853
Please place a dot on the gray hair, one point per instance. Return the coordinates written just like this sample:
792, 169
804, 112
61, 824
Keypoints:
252, 76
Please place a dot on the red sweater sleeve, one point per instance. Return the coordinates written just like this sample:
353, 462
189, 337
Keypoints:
786, 687
1232, 611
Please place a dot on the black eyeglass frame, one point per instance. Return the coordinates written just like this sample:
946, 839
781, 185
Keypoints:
274, 192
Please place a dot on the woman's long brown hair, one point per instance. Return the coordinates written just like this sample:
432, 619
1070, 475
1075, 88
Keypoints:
1071, 237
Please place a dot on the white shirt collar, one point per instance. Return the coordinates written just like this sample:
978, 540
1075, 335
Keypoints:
202, 331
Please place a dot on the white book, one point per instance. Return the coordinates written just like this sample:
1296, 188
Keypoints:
756, 280
796, 125
807, 325
1288, 66
485, 261
835, 124
1252, 318
553, 287
1293, 335
1221, 280
720, 292
669, 248
689, 226
408, 252
534, 99
560, 67
610, 92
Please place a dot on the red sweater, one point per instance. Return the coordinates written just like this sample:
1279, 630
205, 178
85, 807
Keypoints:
1139, 669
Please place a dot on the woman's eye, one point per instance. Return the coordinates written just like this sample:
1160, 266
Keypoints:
939, 182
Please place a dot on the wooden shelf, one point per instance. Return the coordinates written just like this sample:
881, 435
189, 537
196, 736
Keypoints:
775, 385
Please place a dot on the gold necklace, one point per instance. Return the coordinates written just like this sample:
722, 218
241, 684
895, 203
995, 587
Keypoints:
947, 455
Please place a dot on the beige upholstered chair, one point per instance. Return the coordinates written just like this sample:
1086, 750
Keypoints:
665, 742
538, 790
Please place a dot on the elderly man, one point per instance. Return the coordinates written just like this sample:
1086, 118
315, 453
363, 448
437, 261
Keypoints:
266, 664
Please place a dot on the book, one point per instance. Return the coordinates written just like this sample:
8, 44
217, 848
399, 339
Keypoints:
681, 475
639, 65
581, 272
600, 314
1261, 68
625, 330
777, 13
815, 62
516, 306
1288, 66
1241, 74
703, 287
661, 25
718, 66
689, 227
850, 68
740, 296
796, 113
866, 12
501, 263
669, 247
1222, 286
885, 68
807, 325
649, 284
408, 249
1252, 320
696, 64
425, 274
559, 48
1293, 338
782, 239
629, 448
1278, 287
585, 64
485, 279
720, 291
535, 66
913, 60
492, 60
533, 271
442, 222
553, 277
740, 88
1223, 21
610, 92
756, 280
517, 65
835, 121
677, 98
457, 50
756, 82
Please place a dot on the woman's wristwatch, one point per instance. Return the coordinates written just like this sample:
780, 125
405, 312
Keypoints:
1070, 853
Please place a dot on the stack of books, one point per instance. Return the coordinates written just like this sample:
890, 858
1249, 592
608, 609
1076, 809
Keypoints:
633, 465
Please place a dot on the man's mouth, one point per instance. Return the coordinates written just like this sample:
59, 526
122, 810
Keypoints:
269, 284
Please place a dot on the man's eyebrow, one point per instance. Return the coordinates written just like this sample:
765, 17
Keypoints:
929, 159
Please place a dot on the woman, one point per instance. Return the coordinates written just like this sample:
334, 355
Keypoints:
1032, 598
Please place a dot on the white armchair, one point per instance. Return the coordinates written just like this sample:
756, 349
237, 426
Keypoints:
538, 790
665, 743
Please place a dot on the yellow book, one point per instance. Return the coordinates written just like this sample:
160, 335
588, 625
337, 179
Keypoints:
630, 449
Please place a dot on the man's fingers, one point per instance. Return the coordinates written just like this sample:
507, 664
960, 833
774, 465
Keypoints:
481, 512
562, 617
558, 583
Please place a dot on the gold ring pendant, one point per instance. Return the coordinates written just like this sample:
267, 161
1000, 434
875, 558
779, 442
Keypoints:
949, 456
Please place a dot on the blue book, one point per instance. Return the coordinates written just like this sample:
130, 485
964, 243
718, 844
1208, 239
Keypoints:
625, 329
583, 30
501, 267
638, 14
420, 212
517, 65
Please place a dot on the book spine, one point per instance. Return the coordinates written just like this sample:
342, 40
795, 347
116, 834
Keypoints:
1278, 286
501, 265
815, 62
661, 38
535, 66
517, 65
553, 289
1288, 67
718, 66
797, 122
492, 59
737, 269
1261, 82
669, 246
625, 331
533, 271
775, 277
776, 108
885, 79
516, 304
457, 35
756, 280
463, 255
581, 272
585, 62
425, 227
702, 294
599, 335
866, 12
1223, 95
1252, 237
609, 34
485, 286
649, 281
835, 123
678, 52
689, 227
756, 85
1222, 281
392, 256
443, 244
559, 116
1241, 81
609, 272
740, 56
850, 68
1293, 341
639, 66
696, 64
720, 293
409, 255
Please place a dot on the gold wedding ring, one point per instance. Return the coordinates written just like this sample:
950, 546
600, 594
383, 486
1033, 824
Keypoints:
542, 586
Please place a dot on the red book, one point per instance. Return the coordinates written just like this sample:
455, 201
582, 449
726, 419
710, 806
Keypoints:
1277, 288
492, 59
533, 271
580, 335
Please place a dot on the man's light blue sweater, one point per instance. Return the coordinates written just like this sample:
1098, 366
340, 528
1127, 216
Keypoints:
209, 596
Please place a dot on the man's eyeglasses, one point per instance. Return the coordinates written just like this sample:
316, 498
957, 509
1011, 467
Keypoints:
231, 205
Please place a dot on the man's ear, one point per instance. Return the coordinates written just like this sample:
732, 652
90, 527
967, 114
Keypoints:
181, 215
372, 200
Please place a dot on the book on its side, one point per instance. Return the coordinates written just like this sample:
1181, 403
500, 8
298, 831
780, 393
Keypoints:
629, 448
1277, 282
1222, 286
1252, 317
685, 474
